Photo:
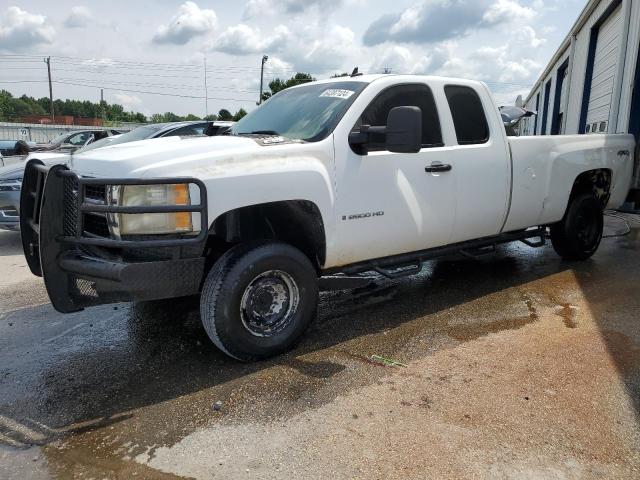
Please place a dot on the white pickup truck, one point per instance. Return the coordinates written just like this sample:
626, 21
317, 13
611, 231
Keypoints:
321, 184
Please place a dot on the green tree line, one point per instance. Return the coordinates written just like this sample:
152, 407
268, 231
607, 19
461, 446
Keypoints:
12, 108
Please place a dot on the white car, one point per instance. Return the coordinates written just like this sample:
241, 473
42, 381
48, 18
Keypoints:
322, 183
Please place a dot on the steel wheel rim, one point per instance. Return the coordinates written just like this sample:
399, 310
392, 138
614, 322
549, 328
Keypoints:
269, 303
587, 230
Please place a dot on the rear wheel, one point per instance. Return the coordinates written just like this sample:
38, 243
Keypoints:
578, 235
258, 299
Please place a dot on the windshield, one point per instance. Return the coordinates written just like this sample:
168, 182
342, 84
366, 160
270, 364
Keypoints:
307, 113
59, 138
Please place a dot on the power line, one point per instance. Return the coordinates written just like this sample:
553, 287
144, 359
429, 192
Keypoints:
154, 93
118, 89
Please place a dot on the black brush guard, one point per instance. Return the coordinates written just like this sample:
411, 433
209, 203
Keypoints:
81, 268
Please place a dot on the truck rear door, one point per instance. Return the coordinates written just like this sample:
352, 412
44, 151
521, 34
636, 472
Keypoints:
480, 163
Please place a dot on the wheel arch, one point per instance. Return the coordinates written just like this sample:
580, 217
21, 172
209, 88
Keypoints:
596, 181
296, 222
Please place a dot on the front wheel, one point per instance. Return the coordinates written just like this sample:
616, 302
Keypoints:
578, 235
258, 299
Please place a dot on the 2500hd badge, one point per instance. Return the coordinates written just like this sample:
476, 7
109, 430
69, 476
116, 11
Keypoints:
358, 216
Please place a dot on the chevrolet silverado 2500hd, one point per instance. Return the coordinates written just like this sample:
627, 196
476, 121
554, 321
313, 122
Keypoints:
321, 184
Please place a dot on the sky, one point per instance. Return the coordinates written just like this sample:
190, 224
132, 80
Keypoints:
149, 55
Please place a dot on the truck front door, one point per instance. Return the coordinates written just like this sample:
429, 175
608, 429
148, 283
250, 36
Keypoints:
386, 202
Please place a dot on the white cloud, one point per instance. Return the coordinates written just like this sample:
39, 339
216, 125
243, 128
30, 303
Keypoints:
507, 11
243, 40
128, 101
188, 23
528, 36
432, 21
20, 30
402, 60
79, 17
99, 64
311, 48
258, 8
323, 51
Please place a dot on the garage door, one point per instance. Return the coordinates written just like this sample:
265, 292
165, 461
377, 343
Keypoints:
605, 67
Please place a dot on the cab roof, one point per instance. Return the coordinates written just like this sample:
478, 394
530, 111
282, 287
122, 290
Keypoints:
370, 78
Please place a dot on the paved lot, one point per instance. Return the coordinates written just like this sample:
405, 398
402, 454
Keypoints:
518, 365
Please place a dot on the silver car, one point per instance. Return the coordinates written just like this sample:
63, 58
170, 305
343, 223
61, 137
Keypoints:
10, 182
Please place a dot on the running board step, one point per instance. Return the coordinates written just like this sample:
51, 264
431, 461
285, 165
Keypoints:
410, 263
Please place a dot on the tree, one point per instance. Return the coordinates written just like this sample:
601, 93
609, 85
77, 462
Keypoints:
225, 115
239, 114
211, 117
277, 85
338, 75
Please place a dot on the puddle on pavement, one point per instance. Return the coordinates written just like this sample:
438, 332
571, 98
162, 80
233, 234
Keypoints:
465, 333
167, 377
568, 314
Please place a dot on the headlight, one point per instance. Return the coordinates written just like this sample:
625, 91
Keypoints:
10, 185
150, 196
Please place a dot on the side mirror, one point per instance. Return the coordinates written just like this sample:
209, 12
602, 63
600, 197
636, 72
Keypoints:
404, 130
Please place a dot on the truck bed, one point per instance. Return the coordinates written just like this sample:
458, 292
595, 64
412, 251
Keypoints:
543, 166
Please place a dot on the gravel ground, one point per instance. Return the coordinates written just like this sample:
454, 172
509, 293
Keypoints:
517, 365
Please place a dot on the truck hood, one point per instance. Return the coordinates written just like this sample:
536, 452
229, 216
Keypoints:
136, 159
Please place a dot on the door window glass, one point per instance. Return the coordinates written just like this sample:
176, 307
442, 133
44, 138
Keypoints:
468, 115
413, 95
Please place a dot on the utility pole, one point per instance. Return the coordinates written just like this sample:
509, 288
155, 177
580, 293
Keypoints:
48, 62
206, 93
264, 60
102, 104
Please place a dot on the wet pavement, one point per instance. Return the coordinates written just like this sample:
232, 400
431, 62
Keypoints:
518, 365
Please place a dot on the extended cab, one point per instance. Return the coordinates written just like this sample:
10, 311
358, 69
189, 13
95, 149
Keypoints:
321, 184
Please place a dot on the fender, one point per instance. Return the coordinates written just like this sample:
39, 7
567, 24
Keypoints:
266, 175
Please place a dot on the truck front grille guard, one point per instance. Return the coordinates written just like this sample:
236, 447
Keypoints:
53, 207
36, 191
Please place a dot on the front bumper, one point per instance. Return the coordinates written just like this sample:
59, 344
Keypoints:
66, 240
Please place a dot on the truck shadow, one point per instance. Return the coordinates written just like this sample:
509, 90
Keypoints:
165, 354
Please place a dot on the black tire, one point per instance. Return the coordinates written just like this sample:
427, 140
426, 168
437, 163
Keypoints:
578, 235
244, 295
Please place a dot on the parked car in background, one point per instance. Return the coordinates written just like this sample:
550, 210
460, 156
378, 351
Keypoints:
10, 183
8, 147
160, 130
13, 151
71, 141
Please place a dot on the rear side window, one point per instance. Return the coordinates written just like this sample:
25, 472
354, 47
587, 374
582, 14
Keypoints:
412, 95
468, 115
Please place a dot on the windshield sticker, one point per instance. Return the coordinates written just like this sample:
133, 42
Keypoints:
337, 93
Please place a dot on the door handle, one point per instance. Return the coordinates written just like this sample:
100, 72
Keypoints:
438, 167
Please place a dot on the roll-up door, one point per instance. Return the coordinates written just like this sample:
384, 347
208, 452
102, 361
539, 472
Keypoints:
605, 68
